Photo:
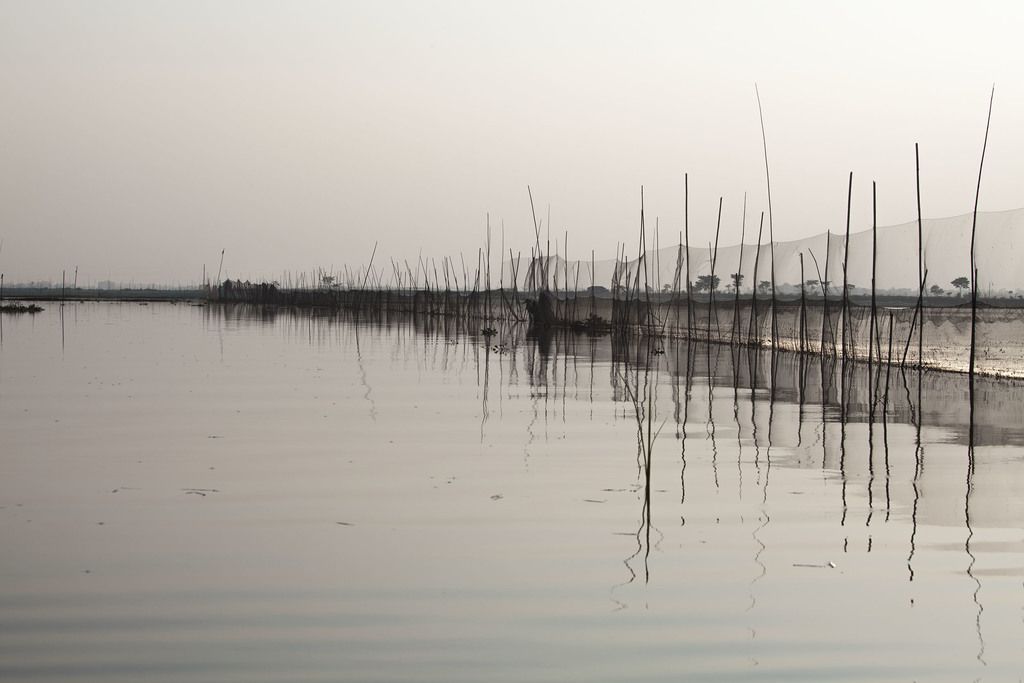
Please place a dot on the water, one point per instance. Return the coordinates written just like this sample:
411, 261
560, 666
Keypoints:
197, 493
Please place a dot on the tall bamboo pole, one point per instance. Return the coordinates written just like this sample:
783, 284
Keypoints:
771, 230
920, 263
974, 264
686, 228
739, 275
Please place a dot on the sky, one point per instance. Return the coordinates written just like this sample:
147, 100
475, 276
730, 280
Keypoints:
139, 139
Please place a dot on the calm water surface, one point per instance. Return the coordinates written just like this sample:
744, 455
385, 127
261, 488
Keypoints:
207, 494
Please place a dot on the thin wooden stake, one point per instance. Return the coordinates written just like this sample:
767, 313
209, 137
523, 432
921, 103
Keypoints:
738, 280
974, 266
920, 265
686, 229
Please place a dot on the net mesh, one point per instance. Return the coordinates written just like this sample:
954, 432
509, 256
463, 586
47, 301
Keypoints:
813, 271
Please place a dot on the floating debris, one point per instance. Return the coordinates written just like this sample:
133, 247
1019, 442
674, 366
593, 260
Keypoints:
200, 492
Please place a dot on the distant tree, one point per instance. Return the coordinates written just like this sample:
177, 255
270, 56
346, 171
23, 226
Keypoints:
707, 283
737, 281
961, 283
812, 284
667, 288
763, 286
936, 290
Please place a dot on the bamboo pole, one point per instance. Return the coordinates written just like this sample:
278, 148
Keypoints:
920, 265
803, 308
771, 227
686, 229
826, 320
711, 283
754, 327
918, 311
536, 232
874, 263
888, 368
974, 265
738, 280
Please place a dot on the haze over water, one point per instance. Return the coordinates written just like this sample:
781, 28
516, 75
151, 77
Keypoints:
236, 494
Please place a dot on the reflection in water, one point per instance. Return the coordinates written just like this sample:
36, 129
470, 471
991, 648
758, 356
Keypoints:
918, 472
681, 428
710, 424
888, 469
970, 555
484, 414
736, 419
773, 356
745, 578
367, 395
642, 394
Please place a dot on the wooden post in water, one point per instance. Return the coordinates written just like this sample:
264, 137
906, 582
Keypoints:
711, 286
803, 309
920, 264
547, 260
974, 266
487, 271
657, 255
826, 321
643, 257
755, 328
846, 258
918, 311
888, 368
821, 285
536, 234
686, 228
771, 227
593, 301
739, 275
576, 294
874, 254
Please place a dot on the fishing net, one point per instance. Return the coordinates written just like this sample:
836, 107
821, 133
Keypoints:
808, 309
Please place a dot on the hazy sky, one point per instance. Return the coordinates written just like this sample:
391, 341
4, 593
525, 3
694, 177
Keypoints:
138, 139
